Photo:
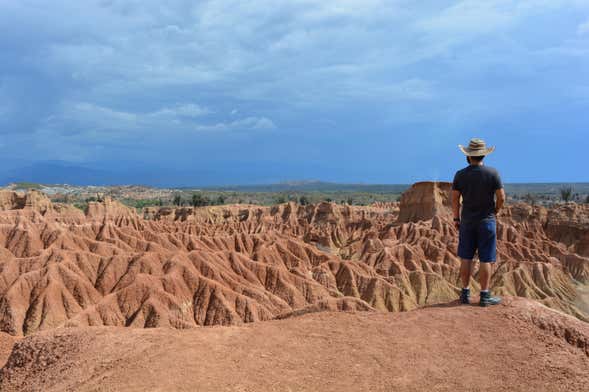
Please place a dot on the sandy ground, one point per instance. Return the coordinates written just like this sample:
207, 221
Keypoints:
446, 348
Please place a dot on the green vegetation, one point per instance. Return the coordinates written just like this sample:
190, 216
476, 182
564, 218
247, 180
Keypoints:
25, 186
198, 200
531, 198
302, 193
207, 198
177, 201
280, 199
81, 206
566, 192
139, 204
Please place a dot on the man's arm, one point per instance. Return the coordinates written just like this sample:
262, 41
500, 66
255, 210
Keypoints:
456, 206
456, 199
500, 196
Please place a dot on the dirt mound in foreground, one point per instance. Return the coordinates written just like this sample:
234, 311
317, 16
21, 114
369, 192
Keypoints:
521, 346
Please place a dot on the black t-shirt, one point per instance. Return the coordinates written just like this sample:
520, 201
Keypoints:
477, 184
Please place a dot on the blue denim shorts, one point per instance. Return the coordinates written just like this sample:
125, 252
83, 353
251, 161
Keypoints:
481, 236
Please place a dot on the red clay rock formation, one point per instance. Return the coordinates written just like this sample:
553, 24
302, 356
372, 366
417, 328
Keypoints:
32, 200
108, 209
10, 200
569, 224
424, 200
228, 265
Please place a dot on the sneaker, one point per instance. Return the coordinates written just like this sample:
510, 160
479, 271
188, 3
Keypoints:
465, 296
487, 300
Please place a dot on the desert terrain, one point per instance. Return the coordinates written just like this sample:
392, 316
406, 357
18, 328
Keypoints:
294, 297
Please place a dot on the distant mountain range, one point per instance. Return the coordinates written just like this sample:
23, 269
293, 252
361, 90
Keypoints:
108, 173
56, 172
60, 172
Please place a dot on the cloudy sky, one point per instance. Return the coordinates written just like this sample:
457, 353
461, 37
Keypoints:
225, 92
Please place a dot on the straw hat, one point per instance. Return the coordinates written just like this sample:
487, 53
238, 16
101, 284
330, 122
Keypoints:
476, 148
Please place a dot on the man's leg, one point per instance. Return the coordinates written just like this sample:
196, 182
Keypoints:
466, 249
485, 272
487, 244
465, 272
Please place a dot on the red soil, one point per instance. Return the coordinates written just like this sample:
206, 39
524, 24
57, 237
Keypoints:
518, 347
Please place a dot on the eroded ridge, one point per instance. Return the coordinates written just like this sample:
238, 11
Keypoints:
187, 267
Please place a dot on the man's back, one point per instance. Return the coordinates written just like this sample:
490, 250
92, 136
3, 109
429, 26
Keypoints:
477, 184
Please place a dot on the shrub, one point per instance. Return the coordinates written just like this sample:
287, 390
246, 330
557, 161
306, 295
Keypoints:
530, 198
81, 206
566, 192
199, 200
177, 201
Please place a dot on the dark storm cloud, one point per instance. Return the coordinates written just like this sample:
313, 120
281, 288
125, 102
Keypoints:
272, 83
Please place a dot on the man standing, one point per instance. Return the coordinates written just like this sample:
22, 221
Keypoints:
479, 186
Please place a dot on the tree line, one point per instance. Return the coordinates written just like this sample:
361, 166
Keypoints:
197, 200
